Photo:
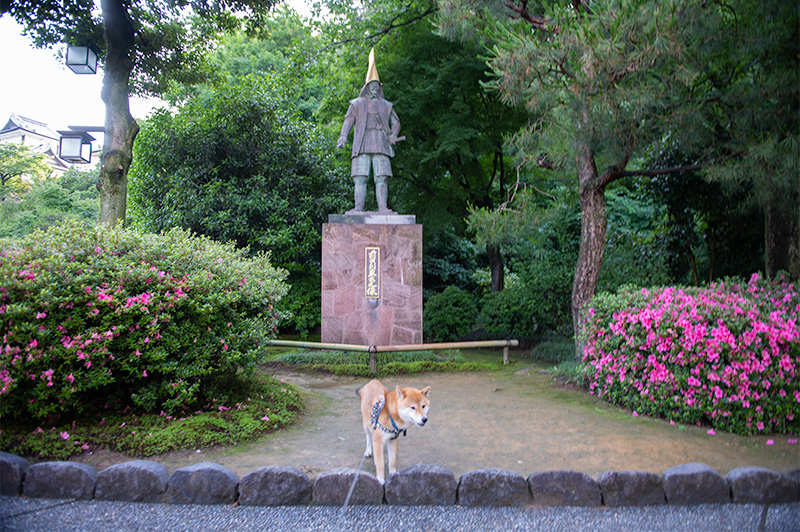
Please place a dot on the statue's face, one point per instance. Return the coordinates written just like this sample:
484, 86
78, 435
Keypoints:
372, 90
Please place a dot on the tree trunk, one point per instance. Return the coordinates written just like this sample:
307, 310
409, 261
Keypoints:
120, 127
591, 192
782, 237
497, 267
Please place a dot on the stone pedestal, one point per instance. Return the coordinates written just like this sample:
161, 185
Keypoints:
372, 280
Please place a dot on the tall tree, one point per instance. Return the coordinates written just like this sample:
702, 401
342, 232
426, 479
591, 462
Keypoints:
144, 44
597, 77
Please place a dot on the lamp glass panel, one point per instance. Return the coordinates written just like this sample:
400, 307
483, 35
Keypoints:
86, 152
70, 147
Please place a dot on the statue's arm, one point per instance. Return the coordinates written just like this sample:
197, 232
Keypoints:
394, 124
349, 119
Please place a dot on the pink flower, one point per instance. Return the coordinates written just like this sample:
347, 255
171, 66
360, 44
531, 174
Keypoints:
41, 315
265, 418
144, 373
635, 413
64, 435
791, 442
770, 442
710, 432
85, 447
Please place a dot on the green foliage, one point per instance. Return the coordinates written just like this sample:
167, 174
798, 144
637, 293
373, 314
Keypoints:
554, 351
322, 357
72, 196
253, 406
301, 306
17, 160
635, 251
709, 231
236, 169
279, 47
450, 260
543, 255
410, 368
508, 314
395, 363
110, 319
449, 316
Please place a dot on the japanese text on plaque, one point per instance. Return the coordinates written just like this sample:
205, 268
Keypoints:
372, 274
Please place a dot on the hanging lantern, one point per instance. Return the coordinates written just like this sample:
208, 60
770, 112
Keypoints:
75, 146
81, 60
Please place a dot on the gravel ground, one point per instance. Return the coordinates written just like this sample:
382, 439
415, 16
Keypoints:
31, 515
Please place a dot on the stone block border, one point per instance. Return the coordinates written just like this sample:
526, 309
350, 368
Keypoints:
422, 484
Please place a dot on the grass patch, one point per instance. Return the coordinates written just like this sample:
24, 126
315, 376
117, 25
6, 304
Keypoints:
259, 405
356, 363
554, 351
569, 372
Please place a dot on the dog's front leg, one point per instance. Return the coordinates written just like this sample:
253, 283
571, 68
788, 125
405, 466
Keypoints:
391, 448
377, 454
368, 449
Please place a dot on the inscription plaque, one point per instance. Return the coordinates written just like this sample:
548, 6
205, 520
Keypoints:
372, 273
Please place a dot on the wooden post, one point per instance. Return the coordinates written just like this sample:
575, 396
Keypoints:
505, 355
373, 360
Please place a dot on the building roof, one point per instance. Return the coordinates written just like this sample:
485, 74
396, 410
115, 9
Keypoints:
16, 122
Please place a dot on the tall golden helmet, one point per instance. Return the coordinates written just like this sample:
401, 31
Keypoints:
372, 70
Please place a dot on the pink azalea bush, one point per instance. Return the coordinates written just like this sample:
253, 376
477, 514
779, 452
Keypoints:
727, 355
94, 318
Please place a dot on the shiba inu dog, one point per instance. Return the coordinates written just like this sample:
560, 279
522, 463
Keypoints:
386, 415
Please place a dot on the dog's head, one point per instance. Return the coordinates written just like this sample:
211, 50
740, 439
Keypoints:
413, 404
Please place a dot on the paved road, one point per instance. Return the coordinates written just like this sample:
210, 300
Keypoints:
31, 515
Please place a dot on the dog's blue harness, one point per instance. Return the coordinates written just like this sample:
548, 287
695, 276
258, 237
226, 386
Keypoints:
376, 412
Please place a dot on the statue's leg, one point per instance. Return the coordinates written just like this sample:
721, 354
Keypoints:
382, 192
382, 167
360, 194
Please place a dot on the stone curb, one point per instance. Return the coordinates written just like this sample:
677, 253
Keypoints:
423, 484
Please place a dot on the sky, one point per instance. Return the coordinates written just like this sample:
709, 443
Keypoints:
35, 85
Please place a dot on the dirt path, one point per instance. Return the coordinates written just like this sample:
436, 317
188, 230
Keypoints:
510, 420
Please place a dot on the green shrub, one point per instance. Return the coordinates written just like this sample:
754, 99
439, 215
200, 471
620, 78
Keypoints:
355, 363
99, 318
300, 357
402, 368
507, 314
449, 316
301, 306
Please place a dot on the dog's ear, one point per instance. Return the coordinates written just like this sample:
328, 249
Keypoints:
399, 393
426, 391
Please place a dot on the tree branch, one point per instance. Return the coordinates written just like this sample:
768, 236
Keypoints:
393, 25
522, 12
